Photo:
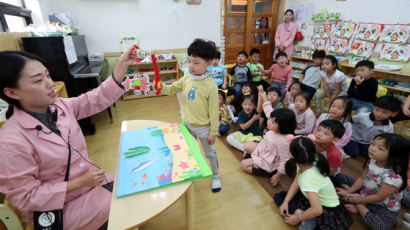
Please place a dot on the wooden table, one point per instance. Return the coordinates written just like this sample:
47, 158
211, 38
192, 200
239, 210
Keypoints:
132, 211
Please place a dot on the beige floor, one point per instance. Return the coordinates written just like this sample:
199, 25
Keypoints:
242, 203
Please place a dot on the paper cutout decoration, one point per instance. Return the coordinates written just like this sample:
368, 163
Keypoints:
338, 45
368, 32
138, 84
317, 44
156, 157
395, 34
344, 29
322, 31
395, 52
362, 48
157, 78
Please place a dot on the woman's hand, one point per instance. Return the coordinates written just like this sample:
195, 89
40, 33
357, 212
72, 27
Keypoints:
92, 178
127, 58
284, 209
281, 48
292, 219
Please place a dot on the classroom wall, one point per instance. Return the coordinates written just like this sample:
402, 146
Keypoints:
377, 11
165, 24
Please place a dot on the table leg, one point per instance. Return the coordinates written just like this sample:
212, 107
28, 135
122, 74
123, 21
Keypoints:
189, 205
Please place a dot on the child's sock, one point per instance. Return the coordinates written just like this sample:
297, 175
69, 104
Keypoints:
231, 110
406, 225
246, 155
406, 217
216, 184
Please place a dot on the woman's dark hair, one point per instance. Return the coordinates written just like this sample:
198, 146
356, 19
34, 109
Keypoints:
306, 96
220, 92
274, 89
332, 59
260, 23
295, 82
203, 49
398, 158
12, 63
289, 10
285, 119
303, 151
348, 106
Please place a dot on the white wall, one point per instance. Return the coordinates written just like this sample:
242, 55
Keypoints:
377, 11
159, 24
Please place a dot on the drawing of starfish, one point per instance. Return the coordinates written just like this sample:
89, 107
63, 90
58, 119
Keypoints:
184, 165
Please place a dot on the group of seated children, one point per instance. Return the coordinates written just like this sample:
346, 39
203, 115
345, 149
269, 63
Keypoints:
315, 157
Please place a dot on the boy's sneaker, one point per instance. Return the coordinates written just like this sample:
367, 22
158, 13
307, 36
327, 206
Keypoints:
216, 184
218, 134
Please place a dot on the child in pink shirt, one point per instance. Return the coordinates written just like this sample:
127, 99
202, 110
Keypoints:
282, 73
268, 157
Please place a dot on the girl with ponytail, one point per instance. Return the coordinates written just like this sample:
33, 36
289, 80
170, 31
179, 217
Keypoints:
311, 200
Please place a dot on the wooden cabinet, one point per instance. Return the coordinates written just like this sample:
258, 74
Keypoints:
168, 70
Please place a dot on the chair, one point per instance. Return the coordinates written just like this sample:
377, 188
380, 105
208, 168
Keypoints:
9, 220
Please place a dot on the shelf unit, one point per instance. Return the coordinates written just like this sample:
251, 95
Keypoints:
168, 70
392, 75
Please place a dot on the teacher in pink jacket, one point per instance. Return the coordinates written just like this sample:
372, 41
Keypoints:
35, 140
285, 34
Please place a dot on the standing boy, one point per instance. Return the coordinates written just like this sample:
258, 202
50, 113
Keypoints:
200, 101
254, 66
310, 79
241, 72
363, 88
365, 126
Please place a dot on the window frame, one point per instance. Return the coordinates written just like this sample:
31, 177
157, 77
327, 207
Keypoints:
15, 11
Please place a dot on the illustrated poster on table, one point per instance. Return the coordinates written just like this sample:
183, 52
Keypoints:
362, 48
344, 30
158, 156
395, 52
368, 32
395, 34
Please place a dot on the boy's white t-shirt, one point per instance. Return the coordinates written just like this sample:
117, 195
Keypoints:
338, 77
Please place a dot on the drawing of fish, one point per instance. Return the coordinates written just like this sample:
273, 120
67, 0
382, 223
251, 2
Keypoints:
143, 165
136, 151
156, 133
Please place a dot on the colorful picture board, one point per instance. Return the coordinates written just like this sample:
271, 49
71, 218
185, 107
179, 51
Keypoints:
368, 32
158, 156
317, 44
338, 45
395, 52
395, 34
362, 48
322, 31
344, 30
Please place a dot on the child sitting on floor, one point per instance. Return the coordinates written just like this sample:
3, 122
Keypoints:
311, 200
311, 78
268, 157
381, 182
365, 126
224, 117
282, 73
327, 134
241, 72
305, 117
335, 82
291, 93
248, 121
363, 88
340, 110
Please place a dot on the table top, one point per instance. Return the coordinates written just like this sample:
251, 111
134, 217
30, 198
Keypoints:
131, 211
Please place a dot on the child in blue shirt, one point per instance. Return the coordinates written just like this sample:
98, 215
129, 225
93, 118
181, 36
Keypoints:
218, 74
241, 72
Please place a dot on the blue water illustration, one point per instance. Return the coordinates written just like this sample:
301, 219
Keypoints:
146, 170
